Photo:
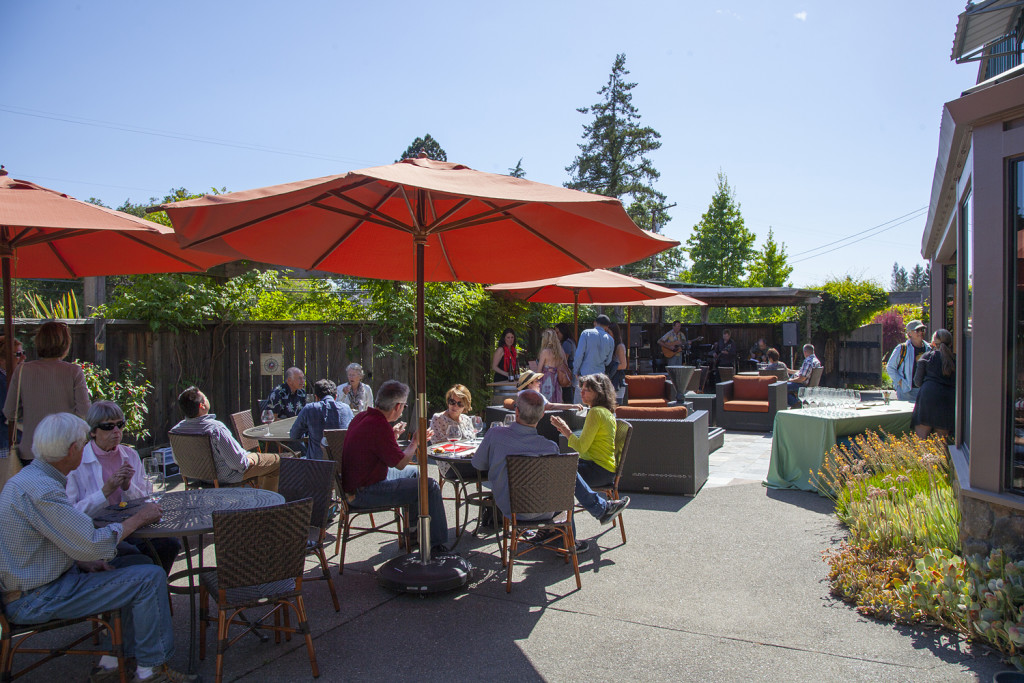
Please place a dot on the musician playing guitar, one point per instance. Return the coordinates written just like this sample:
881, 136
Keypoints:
723, 354
674, 344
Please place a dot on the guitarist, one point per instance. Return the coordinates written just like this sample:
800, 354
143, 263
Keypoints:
674, 343
723, 354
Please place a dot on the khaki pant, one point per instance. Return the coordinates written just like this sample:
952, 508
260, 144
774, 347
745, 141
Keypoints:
264, 466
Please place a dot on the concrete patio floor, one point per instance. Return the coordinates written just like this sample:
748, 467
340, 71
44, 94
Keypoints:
726, 586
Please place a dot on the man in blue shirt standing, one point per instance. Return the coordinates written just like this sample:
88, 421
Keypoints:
595, 350
324, 413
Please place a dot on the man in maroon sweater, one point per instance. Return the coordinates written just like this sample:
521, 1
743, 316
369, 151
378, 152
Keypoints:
374, 468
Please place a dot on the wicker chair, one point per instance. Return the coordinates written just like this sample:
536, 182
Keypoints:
261, 556
312, 479
347, 514
14, 636
623, 435
194, 455
782, 374
542, 484
242, 421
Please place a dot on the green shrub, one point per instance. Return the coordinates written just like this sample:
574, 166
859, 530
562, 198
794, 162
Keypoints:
129, 391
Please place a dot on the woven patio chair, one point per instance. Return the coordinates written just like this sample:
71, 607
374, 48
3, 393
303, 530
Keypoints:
312, 479
13, 638
623, 435
261, 557
347, 514
545, 485
194, 455
242, 421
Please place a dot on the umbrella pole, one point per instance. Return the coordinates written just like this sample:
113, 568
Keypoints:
629, 324
576, 315
421, 403
5, 267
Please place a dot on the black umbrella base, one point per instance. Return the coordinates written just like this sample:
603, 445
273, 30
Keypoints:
409, 574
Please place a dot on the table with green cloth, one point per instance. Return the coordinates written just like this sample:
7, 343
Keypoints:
801, 438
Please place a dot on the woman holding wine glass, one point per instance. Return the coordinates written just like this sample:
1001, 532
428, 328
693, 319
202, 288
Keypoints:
455, 423
112, 473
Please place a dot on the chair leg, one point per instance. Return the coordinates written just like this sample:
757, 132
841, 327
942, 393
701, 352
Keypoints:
514, 545
204, 613
222, 643
327, 574
570, 542
343, 540
300, 609
117, 643
6, 657
342, 520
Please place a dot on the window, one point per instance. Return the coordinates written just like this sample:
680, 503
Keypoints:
1015, 480
966, 317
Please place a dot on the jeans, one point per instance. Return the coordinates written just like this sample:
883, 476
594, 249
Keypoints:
140, 591
595, 475
910, 395
792, 388
401, 487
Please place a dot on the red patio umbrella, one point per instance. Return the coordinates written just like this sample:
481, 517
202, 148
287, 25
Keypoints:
419, 220
595, 287
44, 233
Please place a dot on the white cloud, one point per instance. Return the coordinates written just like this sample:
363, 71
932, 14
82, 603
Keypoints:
802, 16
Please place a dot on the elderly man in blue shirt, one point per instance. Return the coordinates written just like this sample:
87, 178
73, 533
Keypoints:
801, 377
595, 350
324, 413
53, 562
521, 438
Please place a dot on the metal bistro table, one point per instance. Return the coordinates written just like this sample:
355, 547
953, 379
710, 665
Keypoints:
801, 438
190, 513
276, 432
457, 467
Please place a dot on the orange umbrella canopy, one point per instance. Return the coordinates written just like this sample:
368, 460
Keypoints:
594, 287
476, 227
49, 234
674, 300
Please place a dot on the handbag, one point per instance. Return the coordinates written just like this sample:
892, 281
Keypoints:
564, 375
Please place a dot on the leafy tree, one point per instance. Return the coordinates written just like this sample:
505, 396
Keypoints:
721, 246
613, 161
900, 282
518, 171
846, 304
424, 144
770, 267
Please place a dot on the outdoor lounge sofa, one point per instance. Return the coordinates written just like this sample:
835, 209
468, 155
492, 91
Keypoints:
749, 403
652, 391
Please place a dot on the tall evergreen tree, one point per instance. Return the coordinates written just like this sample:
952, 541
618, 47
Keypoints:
900, 281
770, 267
424, 144
919, 278
721, 247
613, 161
518, 171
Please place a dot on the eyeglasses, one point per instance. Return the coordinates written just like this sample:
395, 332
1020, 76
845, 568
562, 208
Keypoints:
107, 426
19, 354
453, 402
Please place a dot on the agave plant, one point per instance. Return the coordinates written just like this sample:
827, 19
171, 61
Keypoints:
66, 306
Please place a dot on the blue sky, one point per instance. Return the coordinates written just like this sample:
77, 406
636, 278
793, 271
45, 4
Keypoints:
824, 116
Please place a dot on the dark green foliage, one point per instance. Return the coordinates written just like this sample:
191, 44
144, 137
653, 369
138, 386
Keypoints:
721, 246
424, 144
518, 171
846, 304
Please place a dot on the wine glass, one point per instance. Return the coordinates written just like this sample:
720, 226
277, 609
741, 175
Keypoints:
509, 419
153, 471
478, 425
494, 425
453, 434
267, 416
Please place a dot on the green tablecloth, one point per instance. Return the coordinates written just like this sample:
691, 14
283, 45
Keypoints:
800, 439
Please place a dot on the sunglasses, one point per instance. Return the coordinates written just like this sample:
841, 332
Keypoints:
453, 402
107, 426
19, 354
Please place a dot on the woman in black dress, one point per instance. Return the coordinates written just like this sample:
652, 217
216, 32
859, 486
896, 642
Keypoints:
935, 373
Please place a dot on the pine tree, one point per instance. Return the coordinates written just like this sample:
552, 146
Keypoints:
518, 171
770, 267
918, 278
613, 161
424, 144
721, 246
900, 282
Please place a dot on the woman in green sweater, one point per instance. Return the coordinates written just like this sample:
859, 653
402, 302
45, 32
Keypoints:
596, 443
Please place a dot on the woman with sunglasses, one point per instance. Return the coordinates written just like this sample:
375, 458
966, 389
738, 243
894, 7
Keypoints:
50, 385
455, 422
111, 473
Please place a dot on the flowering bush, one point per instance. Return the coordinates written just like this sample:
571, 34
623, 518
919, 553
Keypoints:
129, 392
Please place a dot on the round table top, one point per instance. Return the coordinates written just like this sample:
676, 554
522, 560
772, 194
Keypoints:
187, 513
278, 430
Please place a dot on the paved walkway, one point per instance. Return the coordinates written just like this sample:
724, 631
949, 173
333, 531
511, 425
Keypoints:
726, 586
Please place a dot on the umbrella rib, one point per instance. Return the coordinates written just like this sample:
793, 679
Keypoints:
440, 238
495, 214
70, 272
42, 238
379, 220
369, 217
372, 211
163, 251
266, 217
408, 206
550, 243
440, 219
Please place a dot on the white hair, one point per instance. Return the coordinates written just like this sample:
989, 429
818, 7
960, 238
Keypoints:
54, 436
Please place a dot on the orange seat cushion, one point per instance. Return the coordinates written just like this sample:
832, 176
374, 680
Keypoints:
645, 386
751, 388
746, 406
640, 413
648, 402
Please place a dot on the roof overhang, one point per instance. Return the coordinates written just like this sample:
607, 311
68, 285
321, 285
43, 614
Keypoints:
1000, 101
983, 24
